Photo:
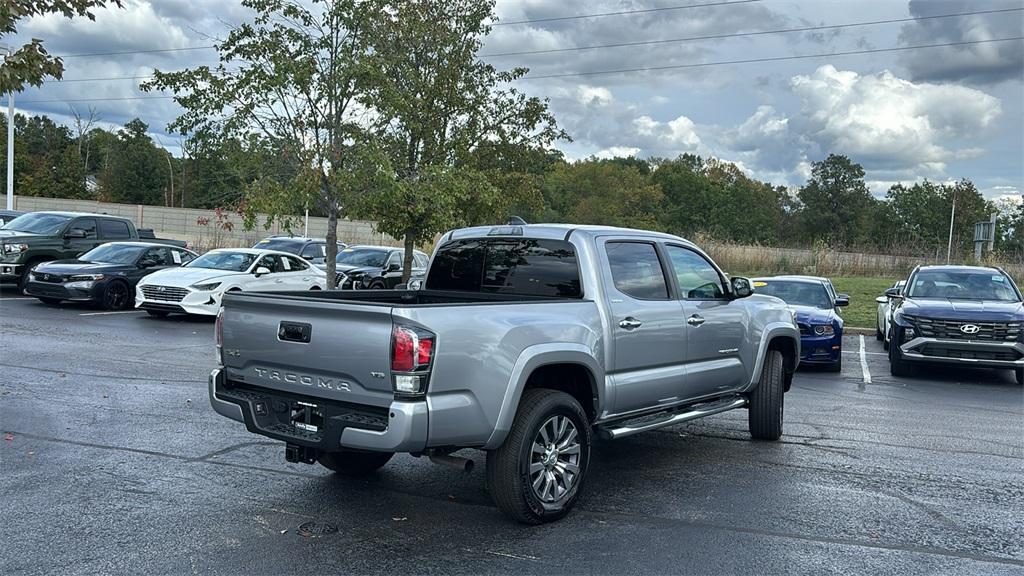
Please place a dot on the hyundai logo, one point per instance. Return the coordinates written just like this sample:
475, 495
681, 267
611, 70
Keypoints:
162, 289
970, 329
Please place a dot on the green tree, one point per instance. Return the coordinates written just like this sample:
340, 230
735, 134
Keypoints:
31, 64
604, 192
836, 204
292, 76
134, 169
436, 103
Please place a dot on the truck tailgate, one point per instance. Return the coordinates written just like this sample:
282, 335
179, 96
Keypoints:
333, 350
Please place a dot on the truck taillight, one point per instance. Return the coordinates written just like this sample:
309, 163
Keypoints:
412, 351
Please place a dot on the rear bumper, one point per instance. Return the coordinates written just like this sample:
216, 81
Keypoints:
964, 352
402, 427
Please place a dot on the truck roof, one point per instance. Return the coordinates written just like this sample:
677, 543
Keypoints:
76, 214
556, 231
957, 267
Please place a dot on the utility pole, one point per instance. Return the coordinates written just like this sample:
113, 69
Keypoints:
952, 215
10, 143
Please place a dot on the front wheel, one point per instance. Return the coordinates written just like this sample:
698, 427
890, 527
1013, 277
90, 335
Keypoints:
764, 418
377, 285
536, 476
116, 296
1019, 373
897, 365
837, 366
352, 463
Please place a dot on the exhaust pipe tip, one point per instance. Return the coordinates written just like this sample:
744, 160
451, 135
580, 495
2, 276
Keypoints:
463, 464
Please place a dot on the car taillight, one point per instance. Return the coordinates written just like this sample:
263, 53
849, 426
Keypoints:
412, 352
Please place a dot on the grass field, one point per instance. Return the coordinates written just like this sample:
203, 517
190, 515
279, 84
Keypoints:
863, 291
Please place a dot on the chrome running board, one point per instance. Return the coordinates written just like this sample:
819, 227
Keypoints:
655, 421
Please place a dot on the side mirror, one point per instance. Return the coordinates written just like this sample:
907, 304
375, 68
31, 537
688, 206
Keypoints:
76, 233
842, 300
881, 299
393, 267
894, 293
261, 270
146, 263
741, 287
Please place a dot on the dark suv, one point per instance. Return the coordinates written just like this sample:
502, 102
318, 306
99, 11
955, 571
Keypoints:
376, 267
960, 315
313, 250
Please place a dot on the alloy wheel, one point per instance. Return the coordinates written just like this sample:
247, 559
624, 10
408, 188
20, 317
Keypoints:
555, 459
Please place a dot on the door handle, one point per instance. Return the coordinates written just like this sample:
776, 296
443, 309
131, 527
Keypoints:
695, 320
630, 323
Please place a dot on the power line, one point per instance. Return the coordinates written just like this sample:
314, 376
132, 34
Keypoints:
770, 59
745, 34
123, 52
60, 100
622, 13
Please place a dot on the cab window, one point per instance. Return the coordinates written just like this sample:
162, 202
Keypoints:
114, 229
697, 278
395, 258
636, 270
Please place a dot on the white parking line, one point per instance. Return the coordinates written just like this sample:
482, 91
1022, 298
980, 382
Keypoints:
17, 298
868, 353
864, 362
105, 313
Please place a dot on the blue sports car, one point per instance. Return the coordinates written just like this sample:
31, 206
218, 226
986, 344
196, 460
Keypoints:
817, 314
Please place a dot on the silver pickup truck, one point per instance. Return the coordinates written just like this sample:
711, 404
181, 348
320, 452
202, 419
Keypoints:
525, 341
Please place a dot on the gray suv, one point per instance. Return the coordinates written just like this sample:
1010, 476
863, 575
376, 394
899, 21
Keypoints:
524, 342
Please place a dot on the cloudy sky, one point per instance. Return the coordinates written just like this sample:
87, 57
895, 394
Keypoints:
939, 112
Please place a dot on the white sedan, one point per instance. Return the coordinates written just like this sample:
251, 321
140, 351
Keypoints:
197, 287
884, 315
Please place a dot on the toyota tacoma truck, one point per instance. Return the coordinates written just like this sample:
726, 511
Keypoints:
957, 316
526, 342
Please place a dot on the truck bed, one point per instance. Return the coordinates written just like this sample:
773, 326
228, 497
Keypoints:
409, 298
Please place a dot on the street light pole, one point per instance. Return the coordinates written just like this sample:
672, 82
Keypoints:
10, 144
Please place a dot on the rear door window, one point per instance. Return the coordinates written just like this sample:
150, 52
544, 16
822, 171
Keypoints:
114, 230
636, 270
527, 267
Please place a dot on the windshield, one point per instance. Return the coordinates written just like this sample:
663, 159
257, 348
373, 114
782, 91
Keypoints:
362, 257
810, 294
283, 244
963, 285
38, 223
113, 254
231, 261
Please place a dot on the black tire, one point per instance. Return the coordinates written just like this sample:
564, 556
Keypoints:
377, 285
49, 301
116, 296
351, 463
897, 365
157, 313
837, 366
1019, 373
509, 467
878, 334
764, 418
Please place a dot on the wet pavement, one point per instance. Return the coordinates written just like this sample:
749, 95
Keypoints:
112, 461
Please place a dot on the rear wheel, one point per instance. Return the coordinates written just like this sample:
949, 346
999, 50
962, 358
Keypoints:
897, 365
116, 296
764, 418
352, 463
157, 313
536, 476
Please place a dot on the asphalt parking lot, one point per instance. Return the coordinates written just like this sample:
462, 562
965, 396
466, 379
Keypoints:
112, 461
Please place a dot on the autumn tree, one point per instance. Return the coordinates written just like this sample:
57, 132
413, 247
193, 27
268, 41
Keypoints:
292, 77
435, 103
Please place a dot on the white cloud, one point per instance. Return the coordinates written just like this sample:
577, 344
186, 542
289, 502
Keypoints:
620, 151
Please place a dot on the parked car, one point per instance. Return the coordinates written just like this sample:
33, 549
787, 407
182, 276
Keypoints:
523, 342
39, 237
197, 288
105, 275
8, 215
817, 315
957, 315
312, 249
376, 267
884, 315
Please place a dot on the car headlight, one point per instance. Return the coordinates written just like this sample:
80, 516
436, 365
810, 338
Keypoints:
15, 248
206, 287
824, 330
85, 277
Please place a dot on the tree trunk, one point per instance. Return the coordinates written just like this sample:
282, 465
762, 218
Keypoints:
410, 245
332, 237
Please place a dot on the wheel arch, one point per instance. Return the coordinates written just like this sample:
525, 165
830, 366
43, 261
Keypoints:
785, 338
570, 368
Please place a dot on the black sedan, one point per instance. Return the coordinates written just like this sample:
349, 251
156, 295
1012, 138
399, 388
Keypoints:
105, 275
375, 267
